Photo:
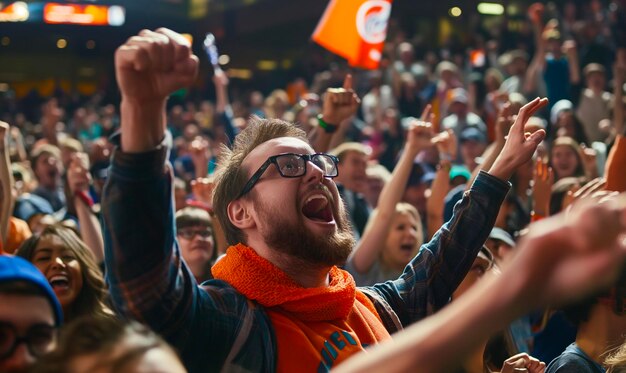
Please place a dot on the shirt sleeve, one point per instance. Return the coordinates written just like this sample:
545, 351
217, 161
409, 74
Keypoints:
429, 280
147, 277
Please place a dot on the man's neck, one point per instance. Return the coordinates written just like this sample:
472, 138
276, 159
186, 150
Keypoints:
303, 273
603, 331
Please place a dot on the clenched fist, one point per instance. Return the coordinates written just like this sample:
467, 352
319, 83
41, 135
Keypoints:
153, 64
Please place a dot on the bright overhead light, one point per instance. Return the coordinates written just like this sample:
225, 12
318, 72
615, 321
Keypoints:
490, 8
224, 59
266, 65
61, 43
455, 11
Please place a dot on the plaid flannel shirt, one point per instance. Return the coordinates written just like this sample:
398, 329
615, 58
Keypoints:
149, 281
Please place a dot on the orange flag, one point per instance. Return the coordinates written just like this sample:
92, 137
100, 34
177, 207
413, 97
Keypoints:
355, 30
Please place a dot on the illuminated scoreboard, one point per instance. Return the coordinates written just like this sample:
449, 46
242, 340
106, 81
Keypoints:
80, 14
62, 13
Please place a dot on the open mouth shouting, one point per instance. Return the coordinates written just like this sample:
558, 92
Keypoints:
60, 283
317, 207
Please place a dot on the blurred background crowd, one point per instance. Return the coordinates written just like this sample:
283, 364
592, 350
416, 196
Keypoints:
466, 61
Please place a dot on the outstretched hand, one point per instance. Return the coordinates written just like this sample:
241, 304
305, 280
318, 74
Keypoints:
573, 255
519, 146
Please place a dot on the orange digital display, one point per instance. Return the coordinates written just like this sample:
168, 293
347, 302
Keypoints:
15, 12
76, 14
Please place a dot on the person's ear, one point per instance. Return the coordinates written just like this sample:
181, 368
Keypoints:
239, 214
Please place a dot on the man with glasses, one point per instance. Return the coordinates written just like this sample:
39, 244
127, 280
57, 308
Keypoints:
29, 315
279, 301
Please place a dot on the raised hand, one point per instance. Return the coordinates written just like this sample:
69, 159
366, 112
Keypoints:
571, 255
340, 103
149, 67
446, 144
220, 79
200, 152
78, 176
202, 189
519, 146
535, 13
543, 179
569, 47
589, 158
153, 64
419, 136
523, 360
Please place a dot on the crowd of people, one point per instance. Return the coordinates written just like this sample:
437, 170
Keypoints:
451, 213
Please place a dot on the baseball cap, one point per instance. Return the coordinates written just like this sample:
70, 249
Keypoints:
559, 106
460, 170
594, 68
502, 235
459, 95
18, 269
472, 133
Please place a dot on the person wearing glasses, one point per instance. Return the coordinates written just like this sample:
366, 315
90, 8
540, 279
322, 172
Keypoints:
278, 301
194, 233
29, 315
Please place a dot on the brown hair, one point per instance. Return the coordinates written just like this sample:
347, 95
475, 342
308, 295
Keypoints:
194, 217
94, 335
231, 176
91, 299
407, 208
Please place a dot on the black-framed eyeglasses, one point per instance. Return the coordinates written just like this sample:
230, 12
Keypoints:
189, 234
294, 165
38, 339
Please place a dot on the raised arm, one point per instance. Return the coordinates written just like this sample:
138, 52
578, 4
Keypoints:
447, 146
571, 51
369, 247
538, 62
6, 183
138, 216
616, 161
79, 179
339, 105
432, 276
586, 254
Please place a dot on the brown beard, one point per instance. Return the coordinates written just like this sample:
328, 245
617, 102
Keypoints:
296, 240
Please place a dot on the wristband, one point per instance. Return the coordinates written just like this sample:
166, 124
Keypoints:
328, 128
85, 197
444, 165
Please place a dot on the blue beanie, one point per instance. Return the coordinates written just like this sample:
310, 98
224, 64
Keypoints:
17, 269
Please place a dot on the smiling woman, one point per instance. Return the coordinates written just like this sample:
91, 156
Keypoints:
71, 269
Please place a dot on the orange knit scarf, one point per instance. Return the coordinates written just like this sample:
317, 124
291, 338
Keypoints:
315, 327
